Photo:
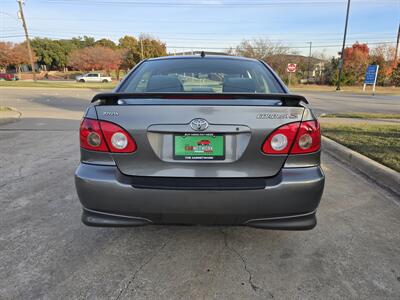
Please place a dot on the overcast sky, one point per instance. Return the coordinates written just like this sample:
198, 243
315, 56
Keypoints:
208, 25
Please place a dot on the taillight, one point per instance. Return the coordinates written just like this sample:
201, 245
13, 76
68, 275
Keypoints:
91, 137
280, 141
308, 138
105, 136
294, 138
118, 140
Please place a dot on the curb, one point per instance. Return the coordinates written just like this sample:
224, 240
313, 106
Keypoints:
382, 175
9, 117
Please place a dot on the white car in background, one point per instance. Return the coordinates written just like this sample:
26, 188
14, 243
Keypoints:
93, 77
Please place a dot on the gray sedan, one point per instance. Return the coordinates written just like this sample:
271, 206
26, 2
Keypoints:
214, 140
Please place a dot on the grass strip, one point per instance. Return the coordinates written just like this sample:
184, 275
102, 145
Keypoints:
378, 142
362, 116
5, 108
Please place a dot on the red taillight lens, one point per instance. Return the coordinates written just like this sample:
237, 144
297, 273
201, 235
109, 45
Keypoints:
280, 141
118, 140
296, 138
105, 136
308, 138
91, 137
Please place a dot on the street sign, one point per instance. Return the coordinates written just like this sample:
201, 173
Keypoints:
370, 76
291, 68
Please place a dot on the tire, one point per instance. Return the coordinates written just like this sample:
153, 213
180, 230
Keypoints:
104, 81
81, 80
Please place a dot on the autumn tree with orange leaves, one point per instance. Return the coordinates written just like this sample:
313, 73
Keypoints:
356, 60
13, 55
95, 58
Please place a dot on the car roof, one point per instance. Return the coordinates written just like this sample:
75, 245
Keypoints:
205, 57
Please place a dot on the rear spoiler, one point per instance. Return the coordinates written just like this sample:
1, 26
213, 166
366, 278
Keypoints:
112, 98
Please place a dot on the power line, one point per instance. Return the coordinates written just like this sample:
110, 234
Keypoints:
11, 36
214, 4
293, 47
124, 32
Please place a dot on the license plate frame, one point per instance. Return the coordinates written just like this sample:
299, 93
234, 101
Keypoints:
192, 155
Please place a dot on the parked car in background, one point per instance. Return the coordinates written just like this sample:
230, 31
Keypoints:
8, 76
93, 77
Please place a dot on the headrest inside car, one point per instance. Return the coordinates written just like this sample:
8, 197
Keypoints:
164, 83
240, 85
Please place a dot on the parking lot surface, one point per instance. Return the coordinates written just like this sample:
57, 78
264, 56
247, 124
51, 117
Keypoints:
45, 251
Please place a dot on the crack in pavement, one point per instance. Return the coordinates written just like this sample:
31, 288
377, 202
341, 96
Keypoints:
254, 287
144, 264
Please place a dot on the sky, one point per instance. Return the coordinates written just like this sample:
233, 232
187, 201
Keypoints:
209, 24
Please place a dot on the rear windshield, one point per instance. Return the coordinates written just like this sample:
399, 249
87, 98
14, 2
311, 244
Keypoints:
201, 75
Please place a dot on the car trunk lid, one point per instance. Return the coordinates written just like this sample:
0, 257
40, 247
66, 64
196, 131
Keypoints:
237, 127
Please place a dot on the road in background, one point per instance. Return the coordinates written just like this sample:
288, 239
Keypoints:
339, 102
45, 251
70, 103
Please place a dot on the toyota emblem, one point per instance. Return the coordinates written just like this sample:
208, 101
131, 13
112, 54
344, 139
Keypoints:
199, 124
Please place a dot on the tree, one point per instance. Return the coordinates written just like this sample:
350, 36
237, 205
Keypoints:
274, 53
383, 55
13, 55
149, 46
259, 49
131, 54
5, 52
52, 53
95, 58
106, 43
395, 77
82, 42
356, 59
331, 73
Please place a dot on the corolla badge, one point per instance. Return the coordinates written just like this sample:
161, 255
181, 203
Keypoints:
111, 114
199, 124
277, 116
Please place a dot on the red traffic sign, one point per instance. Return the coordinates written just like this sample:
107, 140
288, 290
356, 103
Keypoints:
291, 68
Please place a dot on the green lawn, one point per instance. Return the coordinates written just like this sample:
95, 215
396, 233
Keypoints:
4, 108
362, 116
379, 142
349, 89
57, 84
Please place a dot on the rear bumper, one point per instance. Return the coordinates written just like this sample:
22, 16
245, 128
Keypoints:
288, 201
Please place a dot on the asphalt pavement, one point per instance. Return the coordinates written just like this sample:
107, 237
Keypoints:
45, 251
71, 102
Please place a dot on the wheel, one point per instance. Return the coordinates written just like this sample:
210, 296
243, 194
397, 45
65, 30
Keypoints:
81, 80
104, 81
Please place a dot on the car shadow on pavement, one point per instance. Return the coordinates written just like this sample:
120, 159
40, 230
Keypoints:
61, 102
42, 124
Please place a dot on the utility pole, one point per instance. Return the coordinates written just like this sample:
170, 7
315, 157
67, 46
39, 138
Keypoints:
397, 48
309, 62
341, 62
141, 48
28, 44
